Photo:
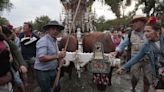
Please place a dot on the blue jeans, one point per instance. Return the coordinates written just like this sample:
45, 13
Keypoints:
46, 79
17, 80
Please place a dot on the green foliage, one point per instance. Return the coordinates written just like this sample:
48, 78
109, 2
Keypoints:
40, 22
128, 2
151, 7
5, 4
101, 19
101, 26
115, 6
3, 21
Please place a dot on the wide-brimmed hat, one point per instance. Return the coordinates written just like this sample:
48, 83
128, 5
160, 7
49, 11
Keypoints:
139, 17
53, 24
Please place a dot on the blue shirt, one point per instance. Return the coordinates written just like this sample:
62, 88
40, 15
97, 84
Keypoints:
46, 46
123, 44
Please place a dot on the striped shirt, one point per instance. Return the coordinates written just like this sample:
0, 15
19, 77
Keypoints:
46, 46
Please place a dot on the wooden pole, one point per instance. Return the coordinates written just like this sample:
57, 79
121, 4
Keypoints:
62, 61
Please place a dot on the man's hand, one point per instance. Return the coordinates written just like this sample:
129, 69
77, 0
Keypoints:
23, 69
113, 54
1, 30
62, 54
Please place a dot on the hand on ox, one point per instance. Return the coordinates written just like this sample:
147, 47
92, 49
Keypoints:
120, 70
113, 54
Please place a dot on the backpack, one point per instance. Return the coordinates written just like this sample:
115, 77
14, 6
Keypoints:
129, 46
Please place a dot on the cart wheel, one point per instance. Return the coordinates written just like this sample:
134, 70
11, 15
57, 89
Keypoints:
101, 87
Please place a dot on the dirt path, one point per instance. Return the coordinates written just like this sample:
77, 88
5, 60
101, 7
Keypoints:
120, 83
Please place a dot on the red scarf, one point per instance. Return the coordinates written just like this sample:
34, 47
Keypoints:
28, 34
2, 46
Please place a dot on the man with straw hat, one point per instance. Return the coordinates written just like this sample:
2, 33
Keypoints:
134, 40
48, 56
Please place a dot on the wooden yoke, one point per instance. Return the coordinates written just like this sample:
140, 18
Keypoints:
62, 60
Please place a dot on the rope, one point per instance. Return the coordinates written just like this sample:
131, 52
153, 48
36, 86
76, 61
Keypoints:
62, 62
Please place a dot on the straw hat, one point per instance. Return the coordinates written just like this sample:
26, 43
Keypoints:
139, 17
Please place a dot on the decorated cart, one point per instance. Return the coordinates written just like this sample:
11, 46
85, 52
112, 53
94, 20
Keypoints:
79, 20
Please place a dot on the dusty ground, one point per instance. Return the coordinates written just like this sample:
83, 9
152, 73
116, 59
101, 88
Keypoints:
120, 83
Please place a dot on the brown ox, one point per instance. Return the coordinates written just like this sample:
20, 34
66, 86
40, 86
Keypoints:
72, 47
72, 43
88, 42
90, 39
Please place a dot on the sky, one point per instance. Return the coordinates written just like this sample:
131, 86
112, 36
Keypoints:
28, 10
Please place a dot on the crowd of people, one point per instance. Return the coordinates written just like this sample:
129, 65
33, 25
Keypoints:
25, 55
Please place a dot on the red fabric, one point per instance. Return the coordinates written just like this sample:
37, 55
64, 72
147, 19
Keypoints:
10, 27
152, 20
17, 34
117, 41
28, 34
2, 46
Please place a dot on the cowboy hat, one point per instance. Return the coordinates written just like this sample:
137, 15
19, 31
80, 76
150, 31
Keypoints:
139, 17
53, 24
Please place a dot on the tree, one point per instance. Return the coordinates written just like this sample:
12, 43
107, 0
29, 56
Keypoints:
40, 22
3, 21
115, 6
101, 19
5, 4
151, 7
105, 25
